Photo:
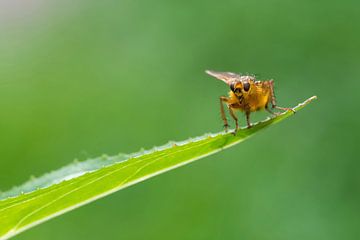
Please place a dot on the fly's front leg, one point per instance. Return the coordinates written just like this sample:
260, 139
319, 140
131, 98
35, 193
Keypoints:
248, 119
273, 99
223, 116
235, 119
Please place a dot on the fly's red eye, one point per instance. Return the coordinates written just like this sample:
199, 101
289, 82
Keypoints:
246, 86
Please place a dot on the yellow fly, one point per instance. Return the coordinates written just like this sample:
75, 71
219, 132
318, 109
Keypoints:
247, 95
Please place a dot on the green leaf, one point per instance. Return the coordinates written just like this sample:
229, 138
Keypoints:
82, 182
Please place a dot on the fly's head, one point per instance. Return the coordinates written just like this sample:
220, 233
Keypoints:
241, 87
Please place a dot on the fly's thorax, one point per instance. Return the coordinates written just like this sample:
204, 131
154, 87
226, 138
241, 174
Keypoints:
264, 87
262, 96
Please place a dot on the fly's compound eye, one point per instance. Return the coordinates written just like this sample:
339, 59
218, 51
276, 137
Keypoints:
246, 86
232, 87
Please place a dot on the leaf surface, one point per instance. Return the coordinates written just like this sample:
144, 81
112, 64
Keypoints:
82, 182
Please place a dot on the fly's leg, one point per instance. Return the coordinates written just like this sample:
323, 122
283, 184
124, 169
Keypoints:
223, 116
284, 109
272, 94
235, 119
271, 112
273, 99
248, 119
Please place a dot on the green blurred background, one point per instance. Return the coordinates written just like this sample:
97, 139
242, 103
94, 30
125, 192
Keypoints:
82, 78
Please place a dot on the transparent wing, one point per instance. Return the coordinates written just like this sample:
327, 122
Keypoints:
226, 77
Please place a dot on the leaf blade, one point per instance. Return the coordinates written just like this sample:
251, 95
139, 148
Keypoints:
24, 211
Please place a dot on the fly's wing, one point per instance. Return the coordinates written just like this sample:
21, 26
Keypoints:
226, 77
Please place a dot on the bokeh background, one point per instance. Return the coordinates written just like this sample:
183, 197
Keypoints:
82, 78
